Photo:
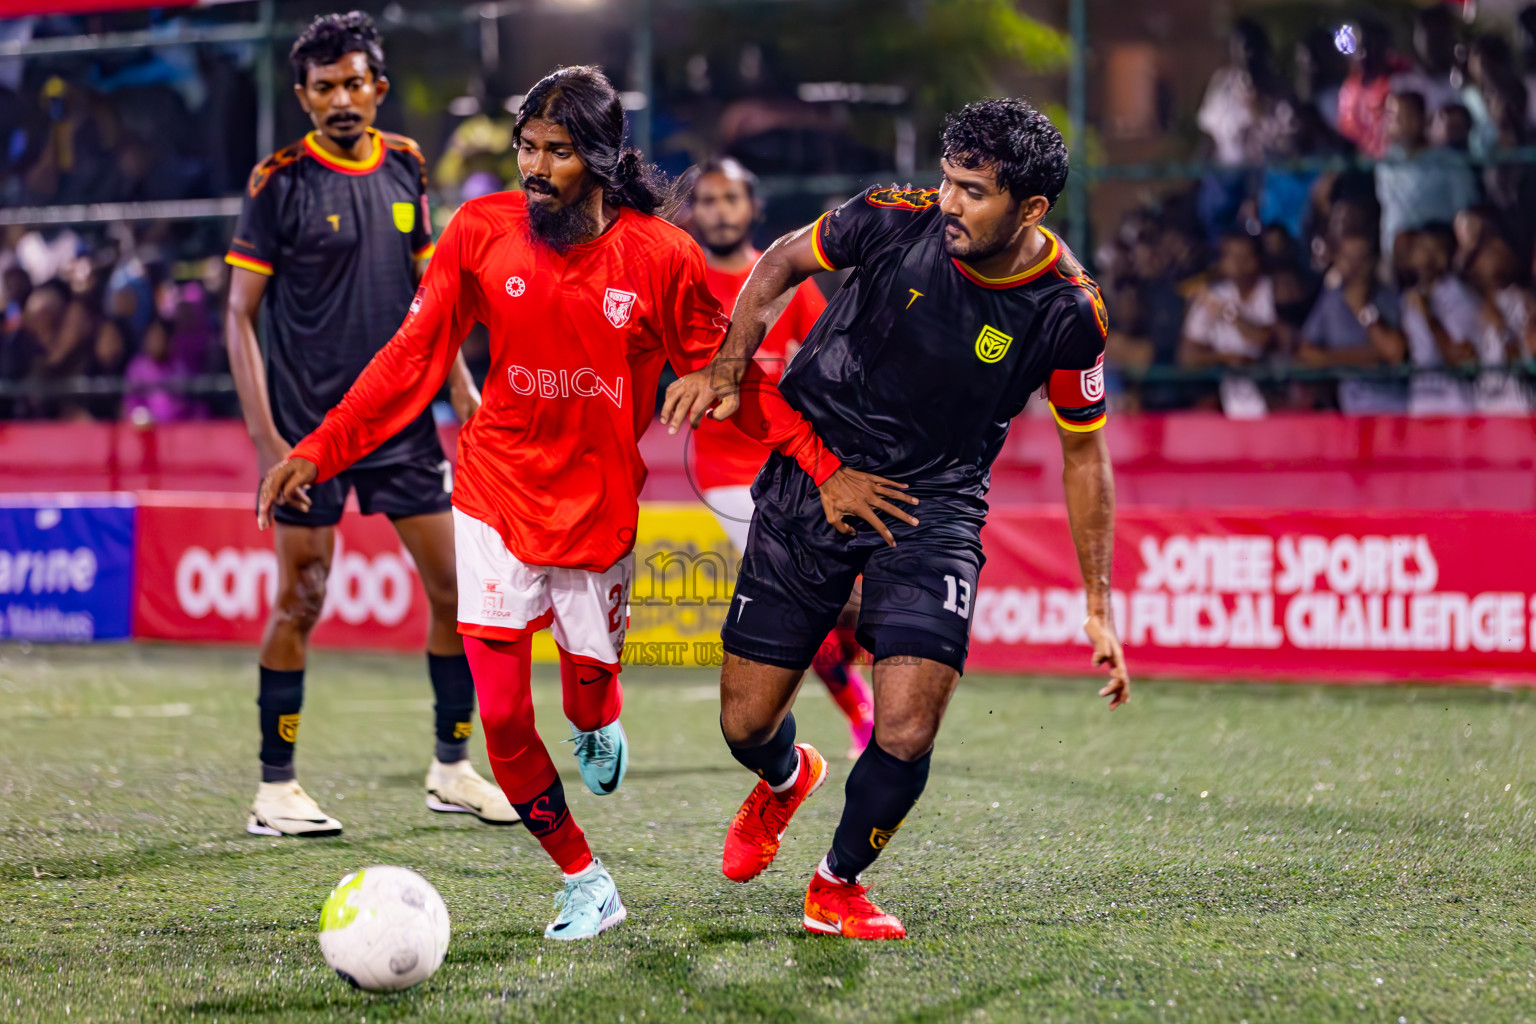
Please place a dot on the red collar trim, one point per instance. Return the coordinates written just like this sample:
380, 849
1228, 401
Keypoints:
1052, 254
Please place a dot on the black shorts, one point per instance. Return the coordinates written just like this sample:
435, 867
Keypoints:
420, 487
797, 573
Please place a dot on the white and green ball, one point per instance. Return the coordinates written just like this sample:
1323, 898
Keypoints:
384, 928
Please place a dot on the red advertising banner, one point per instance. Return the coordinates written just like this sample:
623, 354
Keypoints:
1331, 597
206, 574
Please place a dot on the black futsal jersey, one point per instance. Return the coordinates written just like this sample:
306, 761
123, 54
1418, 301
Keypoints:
340, 240
919, 363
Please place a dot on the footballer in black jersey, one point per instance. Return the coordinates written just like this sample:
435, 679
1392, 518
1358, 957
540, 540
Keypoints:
960, 305
333, 235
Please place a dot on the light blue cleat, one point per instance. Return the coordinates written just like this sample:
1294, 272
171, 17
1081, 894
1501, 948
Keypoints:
603, 757
589, 905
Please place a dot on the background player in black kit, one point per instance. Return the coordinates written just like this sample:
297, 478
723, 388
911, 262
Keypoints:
960, 306
334, 233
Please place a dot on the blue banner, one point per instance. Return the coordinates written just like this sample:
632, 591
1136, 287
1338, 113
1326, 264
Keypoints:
66, 568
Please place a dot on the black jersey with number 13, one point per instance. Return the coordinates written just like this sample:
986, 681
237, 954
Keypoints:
918, 364
340, 240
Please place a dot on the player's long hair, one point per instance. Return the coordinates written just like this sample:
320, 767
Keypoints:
583, 102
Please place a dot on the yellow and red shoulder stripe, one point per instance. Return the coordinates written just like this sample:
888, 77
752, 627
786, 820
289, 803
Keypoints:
367, 165
244, 262
1045, 263
816, 246
425, 252
1077, 427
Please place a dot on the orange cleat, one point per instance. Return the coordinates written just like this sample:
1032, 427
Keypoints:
835, 907
752, 841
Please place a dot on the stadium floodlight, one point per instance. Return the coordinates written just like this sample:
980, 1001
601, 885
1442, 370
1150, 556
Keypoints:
464, 106
1346, 40
634, 100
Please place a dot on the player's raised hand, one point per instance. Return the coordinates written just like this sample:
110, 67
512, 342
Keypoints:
1107, 651
286, 483
849, 492
691, 396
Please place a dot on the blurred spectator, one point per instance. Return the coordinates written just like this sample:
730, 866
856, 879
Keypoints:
1355, 324
1511, 185
1527, 27
1232, 323
1417, 185
1148, 312
1433, 73
1319, 73
62, 330
1294, 287
1473, 227
1240, 95
149, 399
1363, 96
109, 358
1493, 87
1441, 320
1508, 331
1452, 128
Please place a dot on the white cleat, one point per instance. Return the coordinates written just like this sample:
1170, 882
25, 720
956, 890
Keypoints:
458, 789
284, 809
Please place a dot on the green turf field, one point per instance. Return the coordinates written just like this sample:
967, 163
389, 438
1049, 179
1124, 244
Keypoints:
1210, 853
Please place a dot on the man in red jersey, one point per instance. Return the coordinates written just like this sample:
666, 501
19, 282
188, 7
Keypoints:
722, 205
585, 296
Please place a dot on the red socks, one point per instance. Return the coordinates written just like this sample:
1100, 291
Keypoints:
590, 690
522, 766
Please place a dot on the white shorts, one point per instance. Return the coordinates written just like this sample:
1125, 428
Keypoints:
733, 508
501, 598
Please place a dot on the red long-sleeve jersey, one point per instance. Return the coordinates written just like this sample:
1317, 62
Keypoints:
578, 340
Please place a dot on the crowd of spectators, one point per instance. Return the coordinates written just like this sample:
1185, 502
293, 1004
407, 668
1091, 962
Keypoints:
116, 327
1363, 242
1399, 284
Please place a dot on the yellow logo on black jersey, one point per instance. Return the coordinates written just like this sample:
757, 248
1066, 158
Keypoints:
405, 217
992, 344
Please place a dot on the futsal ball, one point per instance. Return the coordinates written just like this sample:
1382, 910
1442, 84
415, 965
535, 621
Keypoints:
384, 928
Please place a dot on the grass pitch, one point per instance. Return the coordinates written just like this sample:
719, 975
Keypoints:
1209, 853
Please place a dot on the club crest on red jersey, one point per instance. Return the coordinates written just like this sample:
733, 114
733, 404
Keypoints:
618, 305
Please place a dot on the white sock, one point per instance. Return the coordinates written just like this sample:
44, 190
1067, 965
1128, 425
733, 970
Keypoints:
825, 871
794, 776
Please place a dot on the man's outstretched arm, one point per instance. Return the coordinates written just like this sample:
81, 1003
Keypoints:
768, 290
396, 385
1090, 491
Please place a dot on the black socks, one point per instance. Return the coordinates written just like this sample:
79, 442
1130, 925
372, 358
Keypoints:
774, 761
881, 790
454, 710
279, 700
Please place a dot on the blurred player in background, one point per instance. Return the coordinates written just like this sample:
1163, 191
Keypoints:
586, 295
959, 308
332, 235
722, 205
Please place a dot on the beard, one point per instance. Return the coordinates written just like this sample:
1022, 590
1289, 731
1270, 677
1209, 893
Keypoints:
977, 249
725, 240
559, 225
345, 130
